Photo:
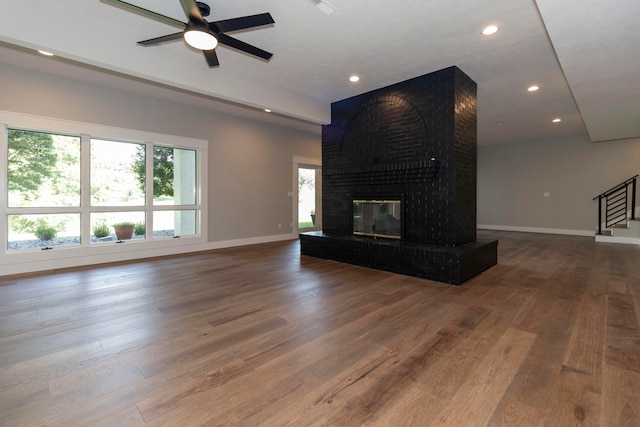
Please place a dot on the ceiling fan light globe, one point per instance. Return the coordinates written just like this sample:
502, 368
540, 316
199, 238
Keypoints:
200, 39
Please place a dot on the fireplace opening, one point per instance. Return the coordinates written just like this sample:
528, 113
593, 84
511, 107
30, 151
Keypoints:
378, 218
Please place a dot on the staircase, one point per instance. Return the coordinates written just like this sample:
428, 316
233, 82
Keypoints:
619, 223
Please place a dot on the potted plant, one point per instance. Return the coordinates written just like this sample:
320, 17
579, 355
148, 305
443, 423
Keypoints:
45, 231
313, 216
101, 230
124, 230
139, 229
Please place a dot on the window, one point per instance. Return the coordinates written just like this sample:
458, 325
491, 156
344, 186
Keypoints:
43, 169
27, 231
117, 173
68, 189
43, 181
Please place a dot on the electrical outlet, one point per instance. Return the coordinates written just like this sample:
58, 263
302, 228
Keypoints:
279, 225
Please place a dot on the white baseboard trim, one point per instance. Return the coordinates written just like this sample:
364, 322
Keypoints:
250, 241
536, 230
618, 239
130, 255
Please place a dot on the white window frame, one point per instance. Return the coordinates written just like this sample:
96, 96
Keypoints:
13, 262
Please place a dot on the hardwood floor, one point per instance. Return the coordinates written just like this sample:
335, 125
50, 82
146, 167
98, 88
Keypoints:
260, 336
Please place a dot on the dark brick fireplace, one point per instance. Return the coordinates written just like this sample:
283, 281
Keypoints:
414, 141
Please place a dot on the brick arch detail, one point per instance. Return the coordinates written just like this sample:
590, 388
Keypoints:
382, 122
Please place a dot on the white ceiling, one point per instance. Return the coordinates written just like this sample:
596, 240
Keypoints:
582, 54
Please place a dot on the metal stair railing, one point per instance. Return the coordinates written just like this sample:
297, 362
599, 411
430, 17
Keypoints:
615, 202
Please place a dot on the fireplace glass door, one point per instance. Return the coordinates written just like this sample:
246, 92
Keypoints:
377, 218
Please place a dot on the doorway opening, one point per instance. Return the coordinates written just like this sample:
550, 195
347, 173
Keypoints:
308, 210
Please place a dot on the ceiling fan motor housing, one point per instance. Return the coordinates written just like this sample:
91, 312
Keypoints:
205, 10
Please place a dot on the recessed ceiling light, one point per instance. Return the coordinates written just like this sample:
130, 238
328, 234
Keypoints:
354, 79
266, 110
556, 120
491, 29
500, 123
45, 53
533, 88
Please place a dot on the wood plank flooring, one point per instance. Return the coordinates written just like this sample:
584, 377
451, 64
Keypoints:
261, 336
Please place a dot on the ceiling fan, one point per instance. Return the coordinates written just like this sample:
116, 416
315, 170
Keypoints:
203, 35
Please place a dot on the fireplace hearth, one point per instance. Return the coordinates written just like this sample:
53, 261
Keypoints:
399, 181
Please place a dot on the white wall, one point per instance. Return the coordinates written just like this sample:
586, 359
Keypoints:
250, 162
512, 180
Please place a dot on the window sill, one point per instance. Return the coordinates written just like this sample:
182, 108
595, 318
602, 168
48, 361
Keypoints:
33, 260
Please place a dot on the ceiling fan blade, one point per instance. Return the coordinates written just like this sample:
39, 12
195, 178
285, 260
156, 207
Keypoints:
147, 13
235, 24
162, 39
242, 46
211, 57
192, 10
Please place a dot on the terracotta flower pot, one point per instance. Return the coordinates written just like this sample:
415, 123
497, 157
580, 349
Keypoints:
123, 232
